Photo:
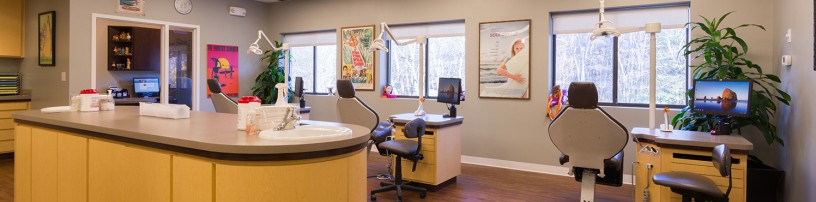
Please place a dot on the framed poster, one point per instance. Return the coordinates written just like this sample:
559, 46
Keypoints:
223, 67
46, 50
357, 57
504, 59
135, 7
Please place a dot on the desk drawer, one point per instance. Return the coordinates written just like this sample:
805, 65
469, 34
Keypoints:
427, 144
6, 124
425, 173
7, 134
13, 105
705, 170
429, 157
736, 195
6, 146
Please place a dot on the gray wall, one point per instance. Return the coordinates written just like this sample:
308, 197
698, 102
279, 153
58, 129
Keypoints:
45, 83
796, 123
217, 27
514, 130
10, 64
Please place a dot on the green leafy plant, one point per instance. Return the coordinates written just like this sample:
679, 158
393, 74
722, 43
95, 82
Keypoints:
265, 82
724, 57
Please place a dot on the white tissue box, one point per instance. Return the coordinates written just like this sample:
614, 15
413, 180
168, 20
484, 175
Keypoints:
170, 111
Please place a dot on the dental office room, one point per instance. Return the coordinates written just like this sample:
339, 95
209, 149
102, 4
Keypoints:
395, 100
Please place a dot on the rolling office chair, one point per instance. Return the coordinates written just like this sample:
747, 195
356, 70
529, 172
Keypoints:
221, 102
352, 110
594, 154
408, 149
698, 187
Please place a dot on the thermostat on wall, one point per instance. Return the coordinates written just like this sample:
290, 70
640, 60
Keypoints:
237, 11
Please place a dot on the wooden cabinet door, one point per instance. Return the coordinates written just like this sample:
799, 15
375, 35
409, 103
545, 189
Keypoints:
146, 49
11, 34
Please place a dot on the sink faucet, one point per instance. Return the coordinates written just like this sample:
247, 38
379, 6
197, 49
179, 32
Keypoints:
290, 117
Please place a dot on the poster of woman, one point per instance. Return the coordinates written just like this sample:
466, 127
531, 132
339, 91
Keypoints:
504, 59
357, 57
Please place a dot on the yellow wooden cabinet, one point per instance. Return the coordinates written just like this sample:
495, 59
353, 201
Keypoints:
7, 124
12, 38
441, 149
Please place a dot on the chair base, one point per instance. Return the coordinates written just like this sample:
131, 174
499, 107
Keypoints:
386, 187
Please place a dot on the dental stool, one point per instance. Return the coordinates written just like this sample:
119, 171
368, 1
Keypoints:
590, 140
407, 149
698, 187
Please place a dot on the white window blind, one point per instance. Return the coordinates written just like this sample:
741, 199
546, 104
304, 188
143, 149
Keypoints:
429, 30
311, 38
624, 20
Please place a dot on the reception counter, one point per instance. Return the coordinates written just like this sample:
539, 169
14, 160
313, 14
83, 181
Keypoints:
121, 156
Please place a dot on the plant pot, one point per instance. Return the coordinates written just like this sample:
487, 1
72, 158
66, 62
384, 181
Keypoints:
765, 183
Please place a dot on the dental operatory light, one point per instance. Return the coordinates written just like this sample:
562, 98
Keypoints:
604, 26
379, 45
254, 48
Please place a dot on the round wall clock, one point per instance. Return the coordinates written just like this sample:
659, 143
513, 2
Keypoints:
184, 6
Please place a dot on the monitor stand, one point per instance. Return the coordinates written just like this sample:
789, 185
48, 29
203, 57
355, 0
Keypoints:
452, 112
723, 127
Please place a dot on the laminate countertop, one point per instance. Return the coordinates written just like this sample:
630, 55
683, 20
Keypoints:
205, 134
25, 97
697, 139
431, 120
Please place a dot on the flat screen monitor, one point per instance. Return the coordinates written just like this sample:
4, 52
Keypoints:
450, 90
146, 86
722, 97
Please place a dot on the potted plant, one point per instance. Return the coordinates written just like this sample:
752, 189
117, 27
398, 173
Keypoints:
265, 82
723, 55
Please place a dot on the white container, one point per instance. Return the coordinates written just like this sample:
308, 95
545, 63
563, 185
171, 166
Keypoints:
246, 105
89, 100
106, 103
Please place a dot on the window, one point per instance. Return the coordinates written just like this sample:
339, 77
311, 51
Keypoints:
313, 56
444, 58
619, 66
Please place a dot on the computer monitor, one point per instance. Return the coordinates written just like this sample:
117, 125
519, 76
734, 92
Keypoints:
449, 90
299, 91
728, 98
146, 86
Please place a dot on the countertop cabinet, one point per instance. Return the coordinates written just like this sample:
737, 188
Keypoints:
11, 35
7, 124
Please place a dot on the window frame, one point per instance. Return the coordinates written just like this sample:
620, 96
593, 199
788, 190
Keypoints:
615, 69
314, 69
427, 64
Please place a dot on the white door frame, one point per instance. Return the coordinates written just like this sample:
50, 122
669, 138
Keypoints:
165, 50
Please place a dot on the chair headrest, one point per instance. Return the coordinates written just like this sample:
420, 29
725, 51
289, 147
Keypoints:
583, 95
345, 88
214, 86
414, 128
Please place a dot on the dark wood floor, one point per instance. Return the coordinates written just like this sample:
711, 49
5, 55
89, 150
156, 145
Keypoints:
477, 183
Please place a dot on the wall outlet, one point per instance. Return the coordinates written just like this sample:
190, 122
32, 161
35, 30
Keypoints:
64, 77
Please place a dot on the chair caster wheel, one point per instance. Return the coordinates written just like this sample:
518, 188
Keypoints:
373, 197
423, 195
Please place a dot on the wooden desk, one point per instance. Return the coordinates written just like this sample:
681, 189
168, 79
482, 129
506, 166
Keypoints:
441, 147
133, 101
688, 151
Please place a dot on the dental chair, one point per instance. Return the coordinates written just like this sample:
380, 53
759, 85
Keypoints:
352, 110
590, 140
221, 102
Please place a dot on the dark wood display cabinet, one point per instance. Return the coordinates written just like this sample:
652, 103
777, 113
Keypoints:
134, 49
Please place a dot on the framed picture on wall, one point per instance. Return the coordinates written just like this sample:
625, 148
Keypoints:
357, 57
504, 59
46, 37
134, 7
223, 67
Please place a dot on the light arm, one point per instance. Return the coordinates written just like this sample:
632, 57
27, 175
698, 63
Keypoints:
256, 49
379, 42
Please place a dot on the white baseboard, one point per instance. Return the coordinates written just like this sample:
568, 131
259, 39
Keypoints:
522, 166
530, 167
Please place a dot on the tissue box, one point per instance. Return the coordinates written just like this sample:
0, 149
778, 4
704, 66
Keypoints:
170, 111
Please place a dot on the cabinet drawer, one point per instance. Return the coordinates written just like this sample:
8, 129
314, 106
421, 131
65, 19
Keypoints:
6, 134
6, 114
6, 124
425, 173
736, 195
8, 146
705, 170
13, 105
427, 144
429, 157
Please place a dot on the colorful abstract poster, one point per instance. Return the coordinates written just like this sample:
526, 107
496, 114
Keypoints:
504, 59
135, 7
358, 58
222, 65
